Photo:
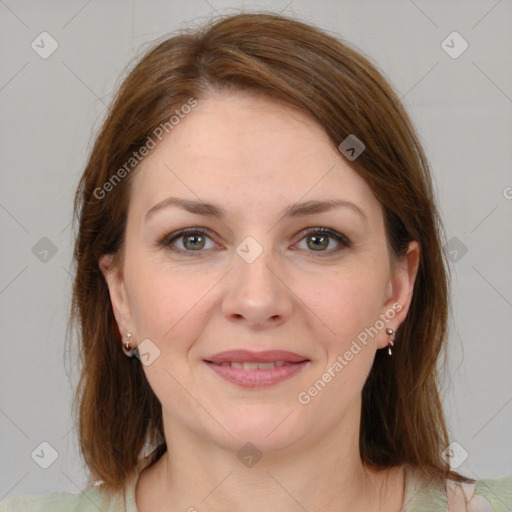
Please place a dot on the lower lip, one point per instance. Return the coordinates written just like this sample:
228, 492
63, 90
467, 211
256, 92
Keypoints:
257, 378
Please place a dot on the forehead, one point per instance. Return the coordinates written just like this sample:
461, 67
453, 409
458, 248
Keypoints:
248, 151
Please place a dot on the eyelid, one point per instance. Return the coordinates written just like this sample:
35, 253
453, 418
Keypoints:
339, 237
168, 239
343, 241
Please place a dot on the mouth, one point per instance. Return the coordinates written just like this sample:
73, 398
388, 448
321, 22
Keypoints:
256, 369
252, 365
249, 356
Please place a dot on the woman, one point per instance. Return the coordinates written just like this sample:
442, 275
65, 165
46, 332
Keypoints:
260, 288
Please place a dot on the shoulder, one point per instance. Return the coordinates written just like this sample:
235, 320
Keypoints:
56, 502
487, 495
497, 492
90, 500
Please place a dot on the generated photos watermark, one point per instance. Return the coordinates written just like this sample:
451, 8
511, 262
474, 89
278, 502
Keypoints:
304, 397
137, 156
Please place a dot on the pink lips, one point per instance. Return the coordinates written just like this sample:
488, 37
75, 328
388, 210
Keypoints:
264, 357
289, 364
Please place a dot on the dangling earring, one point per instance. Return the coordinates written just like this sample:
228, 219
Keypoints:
128, 352
391, 335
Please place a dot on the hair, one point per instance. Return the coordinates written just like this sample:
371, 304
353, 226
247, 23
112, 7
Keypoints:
117, 412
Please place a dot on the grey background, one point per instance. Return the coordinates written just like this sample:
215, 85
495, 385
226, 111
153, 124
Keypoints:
51, 109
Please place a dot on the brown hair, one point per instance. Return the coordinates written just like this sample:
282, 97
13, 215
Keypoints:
402, 419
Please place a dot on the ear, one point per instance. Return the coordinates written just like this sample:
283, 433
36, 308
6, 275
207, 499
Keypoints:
118, 297
399, 291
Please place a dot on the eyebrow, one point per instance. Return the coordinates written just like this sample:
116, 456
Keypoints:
293, 211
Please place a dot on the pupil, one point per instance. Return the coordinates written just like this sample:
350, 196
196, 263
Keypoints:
317, 237
194, 244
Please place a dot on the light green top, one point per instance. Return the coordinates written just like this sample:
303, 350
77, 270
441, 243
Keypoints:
489, 495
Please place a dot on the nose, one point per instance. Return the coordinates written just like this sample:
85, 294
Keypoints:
257, 293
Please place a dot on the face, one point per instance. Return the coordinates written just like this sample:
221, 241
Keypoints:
257, 270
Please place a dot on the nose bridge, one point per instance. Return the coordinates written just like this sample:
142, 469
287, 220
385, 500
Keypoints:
253, 262
256, 291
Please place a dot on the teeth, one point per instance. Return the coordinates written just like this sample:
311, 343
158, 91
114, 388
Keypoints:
250, 366
253, 365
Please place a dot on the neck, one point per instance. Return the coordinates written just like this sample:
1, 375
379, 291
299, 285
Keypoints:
326, 475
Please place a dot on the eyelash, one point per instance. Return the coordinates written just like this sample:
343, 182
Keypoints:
168, 240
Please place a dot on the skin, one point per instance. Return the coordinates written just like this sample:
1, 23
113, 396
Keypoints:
255, 157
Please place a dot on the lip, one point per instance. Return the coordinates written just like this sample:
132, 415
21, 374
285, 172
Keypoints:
266, 356
257, 378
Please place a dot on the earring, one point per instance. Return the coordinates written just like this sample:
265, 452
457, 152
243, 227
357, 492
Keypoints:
128, 352
391, 335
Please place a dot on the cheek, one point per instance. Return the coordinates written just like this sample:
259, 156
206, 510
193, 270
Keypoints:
171, 303
347, 302
166, 304
352, 308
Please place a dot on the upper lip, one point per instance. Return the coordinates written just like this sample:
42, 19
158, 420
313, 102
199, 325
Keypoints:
266, 356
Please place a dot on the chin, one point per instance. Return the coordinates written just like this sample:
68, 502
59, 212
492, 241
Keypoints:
268, 428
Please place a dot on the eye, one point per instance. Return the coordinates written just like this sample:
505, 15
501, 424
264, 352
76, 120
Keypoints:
320, 239
192, 239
